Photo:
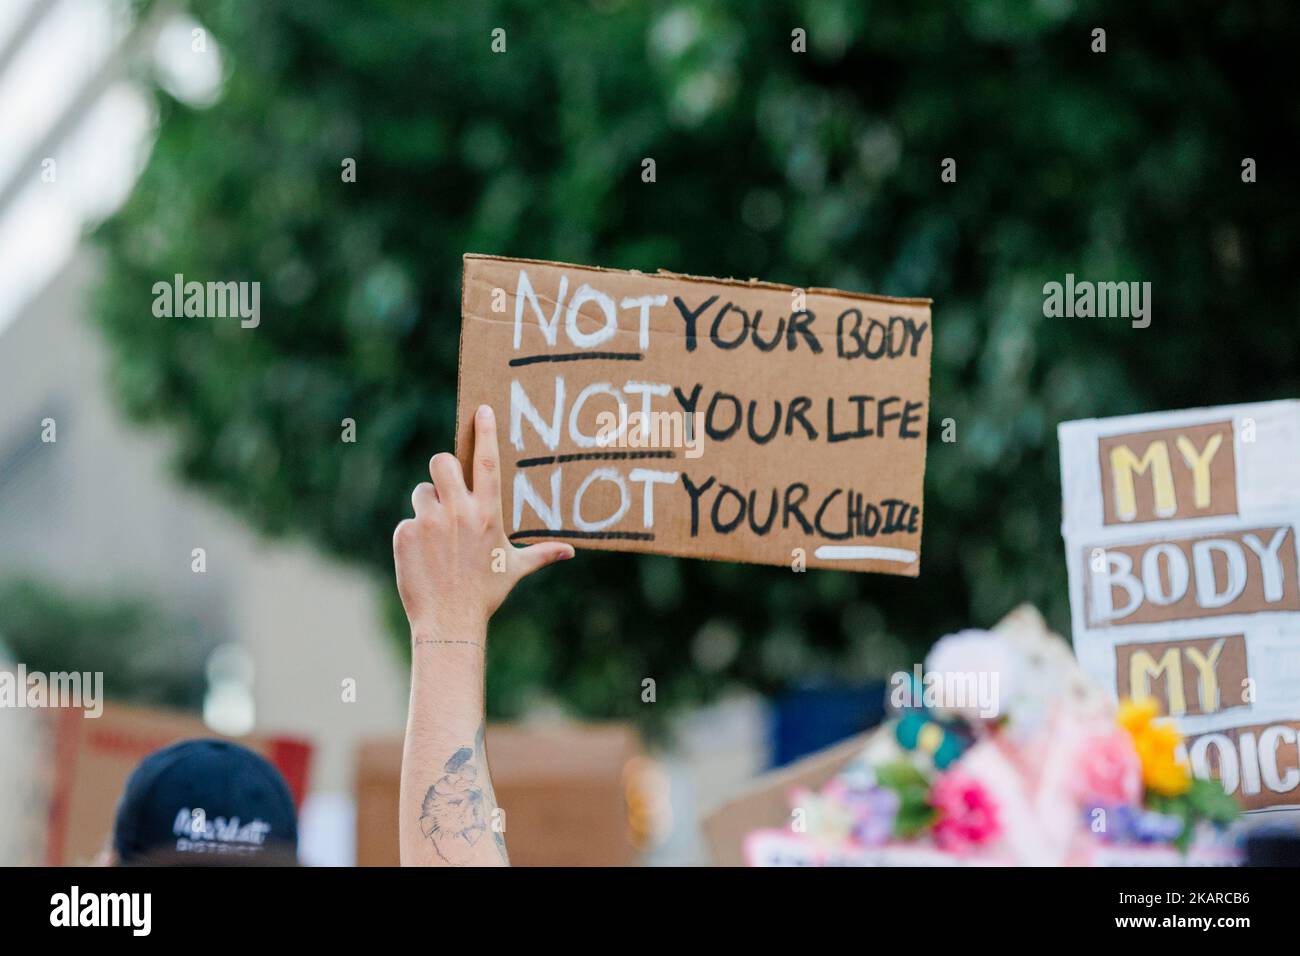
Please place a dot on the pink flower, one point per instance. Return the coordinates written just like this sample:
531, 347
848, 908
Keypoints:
968, 817
1109, 769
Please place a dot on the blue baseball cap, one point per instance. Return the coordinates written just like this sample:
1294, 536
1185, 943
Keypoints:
203, 802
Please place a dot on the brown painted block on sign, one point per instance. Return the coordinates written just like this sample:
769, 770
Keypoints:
1259, 764
1233, 572
1168, 474
1194, 676
708, 418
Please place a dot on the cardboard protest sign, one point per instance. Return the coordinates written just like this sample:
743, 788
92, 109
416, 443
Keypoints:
1181, 542
708, 418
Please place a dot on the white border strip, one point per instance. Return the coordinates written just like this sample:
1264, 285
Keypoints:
833, 552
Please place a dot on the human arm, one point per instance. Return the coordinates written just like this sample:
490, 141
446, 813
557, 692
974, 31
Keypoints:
455, 566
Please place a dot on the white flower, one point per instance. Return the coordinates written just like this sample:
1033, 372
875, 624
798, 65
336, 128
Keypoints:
1051, 676
971, 674
825, 820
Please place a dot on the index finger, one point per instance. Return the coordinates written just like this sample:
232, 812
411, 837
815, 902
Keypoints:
487, 457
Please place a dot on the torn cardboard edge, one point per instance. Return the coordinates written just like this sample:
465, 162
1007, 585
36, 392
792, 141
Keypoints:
666, 274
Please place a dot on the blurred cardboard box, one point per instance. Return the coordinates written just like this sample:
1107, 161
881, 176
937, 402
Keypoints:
92, 759
562, 788
765, 804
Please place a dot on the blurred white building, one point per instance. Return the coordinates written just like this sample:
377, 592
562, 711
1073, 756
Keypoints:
97, 511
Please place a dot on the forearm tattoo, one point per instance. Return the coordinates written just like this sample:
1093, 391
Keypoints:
458, 810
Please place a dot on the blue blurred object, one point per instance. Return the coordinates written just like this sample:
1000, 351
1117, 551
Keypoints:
919, 729
812, 718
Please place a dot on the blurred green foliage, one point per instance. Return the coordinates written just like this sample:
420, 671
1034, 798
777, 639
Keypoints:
816, 168
144, 657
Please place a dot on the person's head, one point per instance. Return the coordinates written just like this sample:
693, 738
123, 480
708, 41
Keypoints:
205, 802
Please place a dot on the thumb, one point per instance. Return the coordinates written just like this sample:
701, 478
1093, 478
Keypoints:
535, 556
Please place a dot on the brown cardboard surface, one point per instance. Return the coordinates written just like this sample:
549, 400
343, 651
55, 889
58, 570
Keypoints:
1188, 677
562, 790
1154, 579
766, 802
1163, 457
94, 757
843, 467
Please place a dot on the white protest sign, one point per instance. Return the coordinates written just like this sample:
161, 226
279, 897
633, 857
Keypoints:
1181, 534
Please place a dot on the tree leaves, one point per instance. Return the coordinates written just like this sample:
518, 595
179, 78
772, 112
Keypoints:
815, 169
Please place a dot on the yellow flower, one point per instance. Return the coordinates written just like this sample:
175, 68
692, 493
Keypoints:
1156, 745
1135, 716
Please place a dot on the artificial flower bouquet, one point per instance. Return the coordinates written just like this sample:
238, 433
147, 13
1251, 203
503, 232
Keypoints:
1001, 752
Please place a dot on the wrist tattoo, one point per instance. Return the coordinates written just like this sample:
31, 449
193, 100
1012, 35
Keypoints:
458, 810
430, 640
